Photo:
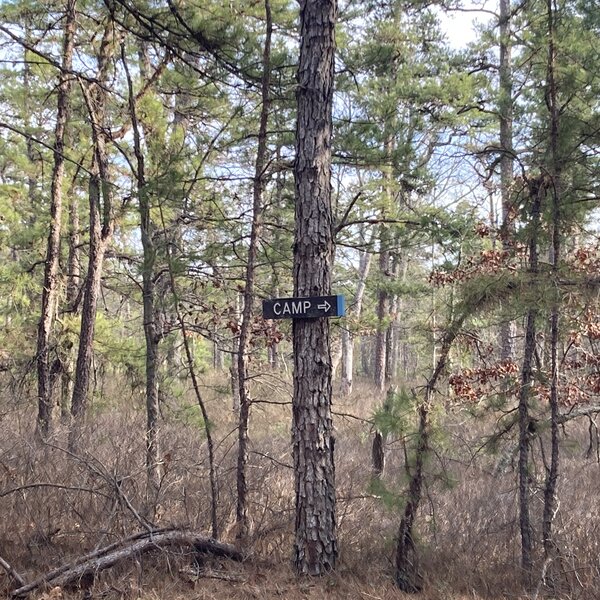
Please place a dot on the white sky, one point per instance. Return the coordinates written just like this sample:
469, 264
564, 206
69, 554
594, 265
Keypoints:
460, 25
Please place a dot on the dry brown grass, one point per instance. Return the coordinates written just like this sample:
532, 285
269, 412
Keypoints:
56, 506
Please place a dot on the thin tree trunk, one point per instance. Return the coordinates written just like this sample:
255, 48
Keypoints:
536, 190
408, 575
235, 350
555, 190
505, 106
217, 352
391, 352
347, 336
212, 471
49, 291
245, 328
28, 112
366, 357
383, 296
315, 547
524, 446
382, 313
151, 333
72, 298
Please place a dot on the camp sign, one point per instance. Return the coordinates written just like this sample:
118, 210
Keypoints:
304, 308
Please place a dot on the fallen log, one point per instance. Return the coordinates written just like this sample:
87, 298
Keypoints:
87, 566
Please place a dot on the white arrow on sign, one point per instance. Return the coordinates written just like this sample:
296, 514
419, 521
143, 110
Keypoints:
325, 306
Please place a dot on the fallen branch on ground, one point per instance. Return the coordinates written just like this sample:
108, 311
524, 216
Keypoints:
87, 566
11, 572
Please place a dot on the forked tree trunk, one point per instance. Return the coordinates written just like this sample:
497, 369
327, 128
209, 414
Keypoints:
315, 547
50, 288
101, 229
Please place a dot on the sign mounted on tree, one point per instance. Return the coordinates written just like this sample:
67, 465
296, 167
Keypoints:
304, 308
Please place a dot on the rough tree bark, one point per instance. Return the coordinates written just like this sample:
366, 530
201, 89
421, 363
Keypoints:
50, 288
315, 548
246, 324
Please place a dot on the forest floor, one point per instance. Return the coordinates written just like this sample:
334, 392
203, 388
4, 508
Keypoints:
57, 505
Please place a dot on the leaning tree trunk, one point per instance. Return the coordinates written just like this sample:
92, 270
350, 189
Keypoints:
315, 548
49, 291
408, 575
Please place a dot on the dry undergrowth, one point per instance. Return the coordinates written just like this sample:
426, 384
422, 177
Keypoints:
56, 506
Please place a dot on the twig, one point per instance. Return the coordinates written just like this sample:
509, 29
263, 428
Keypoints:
31, 486
274, 460
351, 416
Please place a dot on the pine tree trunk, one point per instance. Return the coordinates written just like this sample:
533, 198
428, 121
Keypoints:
152, 334
101, 229
408, 575
97, 247
556, 185
315, 548
524, 447
73, 283
49, 291
234, 372
382, 313
536, 190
